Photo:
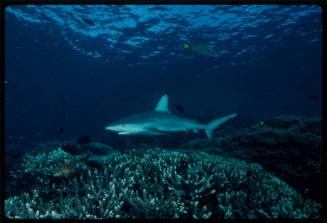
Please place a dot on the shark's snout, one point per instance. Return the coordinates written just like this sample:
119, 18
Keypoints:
117, 127
114, 128
125, 128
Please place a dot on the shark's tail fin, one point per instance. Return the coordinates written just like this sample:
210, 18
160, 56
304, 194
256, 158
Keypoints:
211, 126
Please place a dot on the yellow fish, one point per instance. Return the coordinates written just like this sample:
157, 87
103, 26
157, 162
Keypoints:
64, 170
276, 123
202, 49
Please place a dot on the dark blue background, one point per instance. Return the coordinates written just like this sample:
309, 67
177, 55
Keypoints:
41, 68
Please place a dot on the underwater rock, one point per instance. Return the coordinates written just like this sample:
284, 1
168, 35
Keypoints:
72, 148
97, 148
45, 147
93, 147
83, 140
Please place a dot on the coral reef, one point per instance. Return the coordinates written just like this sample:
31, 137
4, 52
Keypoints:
293, 153
159, 184
45, 159
74, 148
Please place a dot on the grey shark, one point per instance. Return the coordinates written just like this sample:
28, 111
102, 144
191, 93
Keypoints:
161, 121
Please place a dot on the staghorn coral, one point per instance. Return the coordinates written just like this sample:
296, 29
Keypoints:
293, 153
161, 184
41, 166
42, 161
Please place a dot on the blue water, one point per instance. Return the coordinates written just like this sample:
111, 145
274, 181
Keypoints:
136, 52
62, 70
71, 70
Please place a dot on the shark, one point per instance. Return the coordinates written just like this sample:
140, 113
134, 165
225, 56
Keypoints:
161, 121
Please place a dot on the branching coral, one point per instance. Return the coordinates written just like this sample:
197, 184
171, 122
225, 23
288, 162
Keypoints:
161, 184
293, 153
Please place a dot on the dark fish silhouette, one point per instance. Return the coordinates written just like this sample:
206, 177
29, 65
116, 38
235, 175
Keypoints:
61, 130
276, 123
270, 90
124, 99
179, 108
313, 98
299, 88
259, 96
157, 8
88, 21
62, 100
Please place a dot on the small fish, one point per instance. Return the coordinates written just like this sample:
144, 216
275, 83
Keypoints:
157, 8
306, 191
276, 123
124, 99
313, 98
64, 170
300, 88
179, 108
202, 49
270, 90
285, 108
62, 100
259, 96
88, 21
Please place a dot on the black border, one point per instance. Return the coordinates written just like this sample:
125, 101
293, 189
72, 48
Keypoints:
321, 3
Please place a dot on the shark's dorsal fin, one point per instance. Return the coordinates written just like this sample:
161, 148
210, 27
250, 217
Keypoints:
162, 105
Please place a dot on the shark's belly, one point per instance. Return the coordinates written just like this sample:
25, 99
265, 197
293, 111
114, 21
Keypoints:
177, 125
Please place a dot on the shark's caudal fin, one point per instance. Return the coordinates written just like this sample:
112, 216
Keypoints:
211, 126
162, 105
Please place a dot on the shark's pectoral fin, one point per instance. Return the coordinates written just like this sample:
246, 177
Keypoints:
157, 131
154, 133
